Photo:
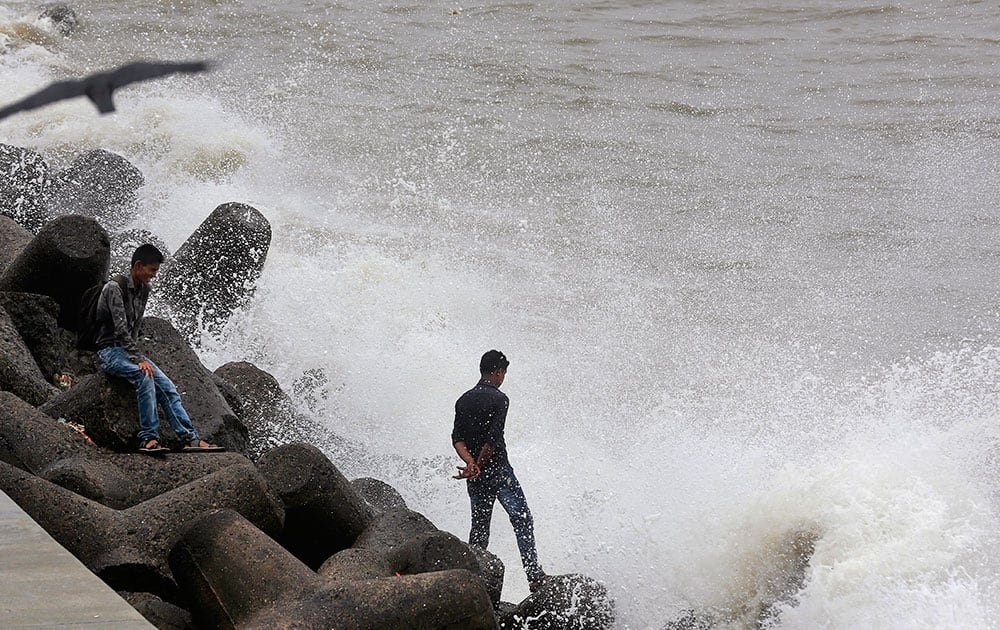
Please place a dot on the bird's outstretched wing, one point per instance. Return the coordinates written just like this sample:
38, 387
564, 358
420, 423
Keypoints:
145, 70
54, 92
99, 87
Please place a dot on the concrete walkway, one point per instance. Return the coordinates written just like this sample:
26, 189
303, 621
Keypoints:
43, 586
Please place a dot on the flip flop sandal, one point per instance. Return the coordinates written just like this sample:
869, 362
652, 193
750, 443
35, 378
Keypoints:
153, 447
193, 447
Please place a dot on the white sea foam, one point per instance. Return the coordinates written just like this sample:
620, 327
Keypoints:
763, 328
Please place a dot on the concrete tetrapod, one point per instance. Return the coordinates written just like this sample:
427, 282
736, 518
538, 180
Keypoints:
272, 417
231, 243
393, 528
432, 551
64, 457
268, 412
412, 544
237, 577
380, 495
564, 601
34, 317
323, 512
18, 371
128, 548
355, 564
67, 256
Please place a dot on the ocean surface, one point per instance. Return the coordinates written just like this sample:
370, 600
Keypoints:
742, 256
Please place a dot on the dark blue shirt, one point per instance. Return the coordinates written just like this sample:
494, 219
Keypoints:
480, 416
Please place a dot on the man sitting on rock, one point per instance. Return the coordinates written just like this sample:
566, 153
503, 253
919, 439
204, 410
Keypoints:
480, 416
120, 317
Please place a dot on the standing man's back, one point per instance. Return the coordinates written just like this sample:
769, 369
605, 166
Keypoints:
478, 438
480, 418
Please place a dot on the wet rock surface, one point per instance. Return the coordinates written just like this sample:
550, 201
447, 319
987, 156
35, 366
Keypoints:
564, 601
231, 243
25, 181
266, 411
98, 184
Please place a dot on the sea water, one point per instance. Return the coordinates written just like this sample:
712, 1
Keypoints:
742, 256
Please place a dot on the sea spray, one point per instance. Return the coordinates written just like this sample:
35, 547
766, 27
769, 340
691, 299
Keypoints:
742, 263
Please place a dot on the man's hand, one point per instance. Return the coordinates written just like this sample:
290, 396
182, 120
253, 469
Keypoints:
469, 471
146, 368
471, 468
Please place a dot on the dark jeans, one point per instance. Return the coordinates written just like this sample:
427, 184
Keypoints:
500, 483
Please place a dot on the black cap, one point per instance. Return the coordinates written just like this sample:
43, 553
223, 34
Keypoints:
493, 360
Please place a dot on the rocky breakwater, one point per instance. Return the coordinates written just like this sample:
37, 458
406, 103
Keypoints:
278, 539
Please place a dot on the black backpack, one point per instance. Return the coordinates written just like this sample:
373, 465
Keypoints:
88, 327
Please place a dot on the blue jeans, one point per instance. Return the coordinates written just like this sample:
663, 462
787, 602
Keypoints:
500, 483
149, 391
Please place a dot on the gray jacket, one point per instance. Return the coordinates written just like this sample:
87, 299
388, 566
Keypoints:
121, 320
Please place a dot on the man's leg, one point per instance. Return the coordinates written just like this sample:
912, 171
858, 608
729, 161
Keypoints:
482, 495
173, 408
512, 499
115, 362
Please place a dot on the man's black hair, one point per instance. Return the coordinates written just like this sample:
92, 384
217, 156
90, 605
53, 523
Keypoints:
147, 254
493, 360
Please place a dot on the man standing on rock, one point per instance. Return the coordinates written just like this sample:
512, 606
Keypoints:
120, 312
480, 416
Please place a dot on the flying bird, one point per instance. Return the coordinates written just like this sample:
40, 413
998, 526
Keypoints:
100, 87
